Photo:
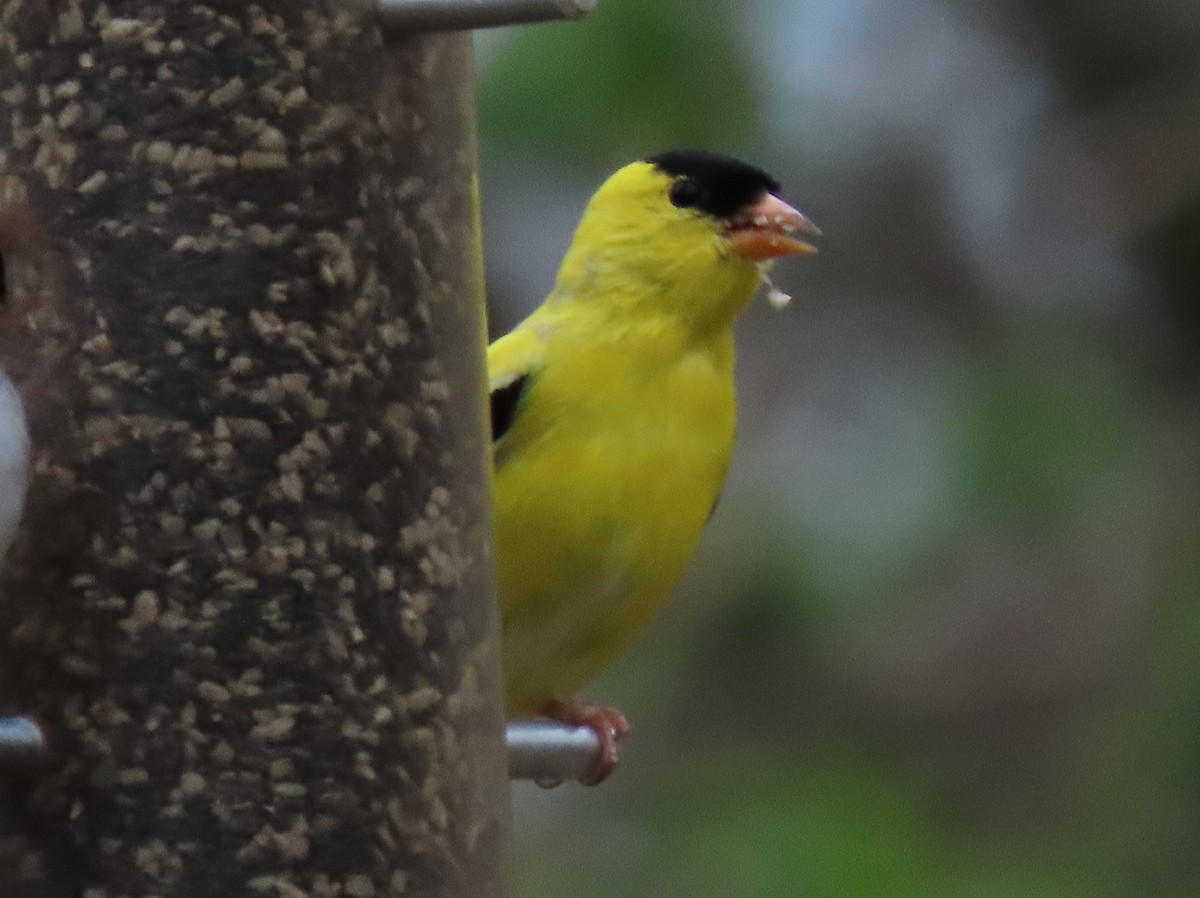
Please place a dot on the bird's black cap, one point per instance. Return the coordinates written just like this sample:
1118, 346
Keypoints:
718, 185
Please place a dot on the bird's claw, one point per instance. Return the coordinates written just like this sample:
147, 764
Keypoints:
609, 725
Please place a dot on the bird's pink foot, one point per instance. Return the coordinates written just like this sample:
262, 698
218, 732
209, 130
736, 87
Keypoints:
609, 725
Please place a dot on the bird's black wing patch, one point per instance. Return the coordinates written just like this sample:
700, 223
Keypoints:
504, 401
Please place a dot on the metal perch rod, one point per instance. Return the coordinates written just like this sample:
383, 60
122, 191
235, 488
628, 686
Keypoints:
462, 15
549, 752
539, 750
21, 740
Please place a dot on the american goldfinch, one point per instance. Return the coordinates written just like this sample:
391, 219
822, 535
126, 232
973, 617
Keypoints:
612, 410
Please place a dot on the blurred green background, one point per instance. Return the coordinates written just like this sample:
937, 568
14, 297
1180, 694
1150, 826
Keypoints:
943, 636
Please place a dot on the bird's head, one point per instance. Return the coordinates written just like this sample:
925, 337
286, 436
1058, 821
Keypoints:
690, 230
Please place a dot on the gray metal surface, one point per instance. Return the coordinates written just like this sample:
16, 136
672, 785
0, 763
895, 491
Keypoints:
550, 753
21, 741
404, 16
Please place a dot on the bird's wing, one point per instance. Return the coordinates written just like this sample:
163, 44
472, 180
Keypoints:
512, 362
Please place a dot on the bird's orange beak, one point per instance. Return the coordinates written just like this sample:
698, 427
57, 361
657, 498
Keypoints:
766, 229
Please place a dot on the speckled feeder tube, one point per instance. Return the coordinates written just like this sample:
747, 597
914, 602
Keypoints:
249, 605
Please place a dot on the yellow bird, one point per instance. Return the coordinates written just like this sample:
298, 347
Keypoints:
613, 418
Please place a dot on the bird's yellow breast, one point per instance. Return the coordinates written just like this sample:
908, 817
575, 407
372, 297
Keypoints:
602, 488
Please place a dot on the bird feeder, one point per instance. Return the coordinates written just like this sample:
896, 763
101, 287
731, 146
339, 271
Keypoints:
247, 640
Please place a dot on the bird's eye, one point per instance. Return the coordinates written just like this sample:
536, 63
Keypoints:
686, 193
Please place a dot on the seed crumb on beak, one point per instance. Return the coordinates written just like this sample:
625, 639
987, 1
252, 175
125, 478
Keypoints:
776, 297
